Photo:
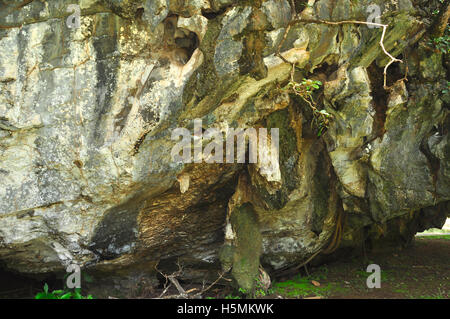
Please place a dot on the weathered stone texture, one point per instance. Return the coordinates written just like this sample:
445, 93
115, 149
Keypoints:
86, 117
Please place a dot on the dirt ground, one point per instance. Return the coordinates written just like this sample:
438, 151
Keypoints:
420, 271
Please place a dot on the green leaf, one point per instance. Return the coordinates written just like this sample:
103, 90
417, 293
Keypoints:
66, 296
41, 295
77, 295
320, 132
46, 288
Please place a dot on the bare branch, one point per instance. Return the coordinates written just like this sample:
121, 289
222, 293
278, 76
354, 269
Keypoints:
211, 285
319, 21
172, 280
166, 288
178, 286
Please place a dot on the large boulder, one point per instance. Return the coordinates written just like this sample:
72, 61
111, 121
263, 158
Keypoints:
87, 114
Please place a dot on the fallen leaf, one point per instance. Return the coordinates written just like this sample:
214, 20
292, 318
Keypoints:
315, 283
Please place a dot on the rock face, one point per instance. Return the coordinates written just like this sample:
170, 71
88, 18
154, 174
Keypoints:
87, 113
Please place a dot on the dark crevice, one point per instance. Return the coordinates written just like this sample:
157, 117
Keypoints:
18, 286
327, 69
179, 43
380, 97
138, 143
395, 72
300, 5
139, 13
211, 15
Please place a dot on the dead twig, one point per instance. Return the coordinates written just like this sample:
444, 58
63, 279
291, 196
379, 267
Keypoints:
182, 293
211, 285
178, 286
172, 279
166, 288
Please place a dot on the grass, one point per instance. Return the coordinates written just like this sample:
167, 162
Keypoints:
300, 287
439, 295
385, 276
447, 237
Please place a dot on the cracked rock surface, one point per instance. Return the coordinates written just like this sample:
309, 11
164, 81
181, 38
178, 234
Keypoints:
87, 114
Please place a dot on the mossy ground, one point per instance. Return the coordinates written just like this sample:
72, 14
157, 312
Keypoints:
302, 287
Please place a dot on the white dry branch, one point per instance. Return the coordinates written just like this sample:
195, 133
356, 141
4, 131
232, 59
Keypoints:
383, 34
319, 21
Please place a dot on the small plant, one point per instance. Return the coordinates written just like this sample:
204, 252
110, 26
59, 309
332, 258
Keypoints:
243, 291
232, 297
262, 284
259, 289
304, 89
442, 43
61, 294
447, 89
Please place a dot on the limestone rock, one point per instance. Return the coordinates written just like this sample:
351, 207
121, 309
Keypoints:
87, 116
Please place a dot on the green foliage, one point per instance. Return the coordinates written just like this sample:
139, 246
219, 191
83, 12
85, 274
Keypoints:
385, 274
442, 43
305, 89
303, 287
259, 289
243, 291
447, 89
447, 237
232, 297
61, 294
439, 295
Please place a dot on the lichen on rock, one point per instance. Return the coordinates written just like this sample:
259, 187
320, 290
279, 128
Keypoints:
87, 115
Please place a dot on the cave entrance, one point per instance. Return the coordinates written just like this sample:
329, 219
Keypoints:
443, 232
